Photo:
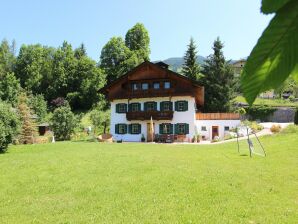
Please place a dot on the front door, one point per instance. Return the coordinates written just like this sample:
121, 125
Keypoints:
150, 132
214, 131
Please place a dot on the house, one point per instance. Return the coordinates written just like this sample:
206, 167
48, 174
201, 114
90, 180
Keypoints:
173, 102
238, 66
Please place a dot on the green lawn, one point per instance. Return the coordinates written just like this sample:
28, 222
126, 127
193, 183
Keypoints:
81, 182
269, 102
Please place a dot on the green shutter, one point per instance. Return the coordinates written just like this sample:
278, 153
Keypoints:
145, 106
139, 106
125, 128
171, 105
155, 105
171, 128
129, 128
176, 105
139, 128
117, 108
117, 128
186, 129
125, 107
176, 129
129, 107
161, 129
185, 106
161, 106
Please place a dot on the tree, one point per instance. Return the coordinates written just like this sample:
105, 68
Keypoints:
33, 67
28, 127
84, 86
100, 117
116, 59
39, 106
9, 88
274, 57
7, 57
218, 81
63, 123
191, 68
9, 125
80, 51
289, 85
137, 40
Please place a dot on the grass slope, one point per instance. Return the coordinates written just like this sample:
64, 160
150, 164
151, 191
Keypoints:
269, 102
83, 182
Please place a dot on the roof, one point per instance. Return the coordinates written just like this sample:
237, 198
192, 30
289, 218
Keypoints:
161, 65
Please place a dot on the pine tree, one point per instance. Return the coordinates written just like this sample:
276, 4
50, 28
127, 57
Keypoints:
191, 68
218, 80
28, 127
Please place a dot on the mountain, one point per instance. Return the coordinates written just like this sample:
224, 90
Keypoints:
176, 63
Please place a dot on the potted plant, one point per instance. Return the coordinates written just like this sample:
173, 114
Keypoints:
143, 138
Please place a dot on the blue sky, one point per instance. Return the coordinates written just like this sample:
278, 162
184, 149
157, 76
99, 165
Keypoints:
170, 23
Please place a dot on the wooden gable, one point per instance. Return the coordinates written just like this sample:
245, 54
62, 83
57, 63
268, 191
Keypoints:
150, 73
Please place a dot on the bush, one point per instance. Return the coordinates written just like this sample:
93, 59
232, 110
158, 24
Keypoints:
291, 129
9, 126
260, 112
253, 125
275, 128
63, 123
296, 117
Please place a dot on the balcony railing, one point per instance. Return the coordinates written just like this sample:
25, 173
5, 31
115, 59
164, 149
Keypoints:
146, 115
217, 116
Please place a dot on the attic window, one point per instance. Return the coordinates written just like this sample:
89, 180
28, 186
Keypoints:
145, 86
135, 86
167, 85
156, 85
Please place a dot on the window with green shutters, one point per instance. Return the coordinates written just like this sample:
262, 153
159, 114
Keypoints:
165, 128
134, 129
150, 106
121, 129
133, 107
121, 108
181, 105
166, 106
181, 128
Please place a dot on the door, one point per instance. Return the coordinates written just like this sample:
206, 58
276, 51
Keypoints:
150, 132
214, 131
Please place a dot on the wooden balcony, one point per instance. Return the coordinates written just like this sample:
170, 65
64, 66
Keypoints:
149, 93
217, 116
146, 115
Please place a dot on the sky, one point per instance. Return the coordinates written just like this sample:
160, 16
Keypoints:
170, 24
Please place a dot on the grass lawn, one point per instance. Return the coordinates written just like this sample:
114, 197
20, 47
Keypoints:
269, 102
81, 182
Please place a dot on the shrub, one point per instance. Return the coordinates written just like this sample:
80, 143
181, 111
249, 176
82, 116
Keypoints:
63, 123
260, 112
291, 129
275, 128
296, 117
253, 125
9, 126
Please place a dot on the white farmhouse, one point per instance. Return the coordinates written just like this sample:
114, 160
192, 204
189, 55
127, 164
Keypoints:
159, 104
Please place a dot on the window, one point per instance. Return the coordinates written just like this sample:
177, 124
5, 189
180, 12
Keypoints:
167, 85
121, 108
227, 128
149, 106
135, 128
156, 85
135, 107
166, 106
166, 128
181, 105
121, 129
203, 128
181, 128
135, 86
145, 86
